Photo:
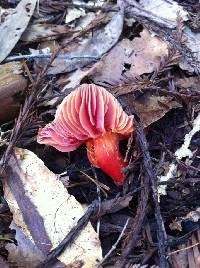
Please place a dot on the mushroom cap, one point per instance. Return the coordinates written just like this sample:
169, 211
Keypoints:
86, 113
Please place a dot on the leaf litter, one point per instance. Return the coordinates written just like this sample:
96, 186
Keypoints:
146, 54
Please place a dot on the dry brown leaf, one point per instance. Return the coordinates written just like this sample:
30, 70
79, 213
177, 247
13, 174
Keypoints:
142, 55
45, 212
150, 107
14, 25
164, 12
187, 83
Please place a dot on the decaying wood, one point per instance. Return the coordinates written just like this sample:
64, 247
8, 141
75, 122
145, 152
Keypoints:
11, 83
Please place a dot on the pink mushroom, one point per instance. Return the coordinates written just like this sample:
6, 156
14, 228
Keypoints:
91, 115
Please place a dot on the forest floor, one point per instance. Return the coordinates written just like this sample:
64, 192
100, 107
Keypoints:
57, 209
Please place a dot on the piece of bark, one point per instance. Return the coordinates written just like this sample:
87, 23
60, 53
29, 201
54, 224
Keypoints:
11, 83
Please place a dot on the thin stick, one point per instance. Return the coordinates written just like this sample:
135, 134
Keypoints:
138, 224
70, 236
99, 199
93, 210
183, 249
161, 234
114, 246
46, 55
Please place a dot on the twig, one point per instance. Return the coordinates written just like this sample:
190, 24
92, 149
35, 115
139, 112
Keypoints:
180, 153
183, 249
161, 234
94, 210
137, 226
180, 181
114, 246
178, 161
99, 199
46, 55
99, 185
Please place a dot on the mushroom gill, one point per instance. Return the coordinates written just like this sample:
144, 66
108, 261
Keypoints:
91, 115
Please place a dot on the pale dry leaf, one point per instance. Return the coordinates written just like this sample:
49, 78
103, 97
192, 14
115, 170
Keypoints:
141, 55
91, 3
73, 14
83, 22
166, 9
97, 45
14, 25
4, 13
157, 11
43, 31
193, 43
45, 212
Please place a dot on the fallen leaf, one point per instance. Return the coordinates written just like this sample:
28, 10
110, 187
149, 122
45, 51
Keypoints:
193, 43
133, 58
166, 9
150, 107
83, 22
41, 32
73, 14
14, 25
26, 253
161, 12
45, 212
165, 12
4, 13
99, 43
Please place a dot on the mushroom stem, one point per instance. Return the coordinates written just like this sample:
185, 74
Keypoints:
103, 152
